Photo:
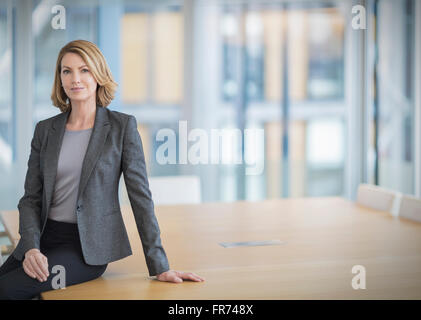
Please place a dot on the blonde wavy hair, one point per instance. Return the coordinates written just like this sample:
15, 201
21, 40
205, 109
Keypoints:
95, 60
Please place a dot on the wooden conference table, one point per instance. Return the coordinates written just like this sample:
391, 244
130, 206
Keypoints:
321, 240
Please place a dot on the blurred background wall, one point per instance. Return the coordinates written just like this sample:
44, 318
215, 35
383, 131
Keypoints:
338, 105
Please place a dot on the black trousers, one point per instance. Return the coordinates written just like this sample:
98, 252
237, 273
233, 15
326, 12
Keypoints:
60, 243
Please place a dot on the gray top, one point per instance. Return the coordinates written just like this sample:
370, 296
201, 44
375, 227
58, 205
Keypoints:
69, 168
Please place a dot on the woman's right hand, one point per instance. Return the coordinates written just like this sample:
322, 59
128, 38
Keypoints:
35, 265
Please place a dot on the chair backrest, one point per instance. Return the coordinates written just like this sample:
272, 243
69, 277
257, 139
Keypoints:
375, 197
175, 189
410, 208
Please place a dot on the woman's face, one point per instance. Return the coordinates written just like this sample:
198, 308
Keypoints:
76, 78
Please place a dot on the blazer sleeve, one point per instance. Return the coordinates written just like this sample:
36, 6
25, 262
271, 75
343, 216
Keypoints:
30, 205
136, 180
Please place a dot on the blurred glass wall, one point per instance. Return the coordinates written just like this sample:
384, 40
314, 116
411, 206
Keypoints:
7, 130
274, 66
392, 149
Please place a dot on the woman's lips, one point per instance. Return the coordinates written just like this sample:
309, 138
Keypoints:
76, 89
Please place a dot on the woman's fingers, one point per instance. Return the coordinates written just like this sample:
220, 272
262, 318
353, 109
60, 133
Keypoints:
198, 278
178, 276
28, 270
37, 264
42, 263
191, 276
36, 268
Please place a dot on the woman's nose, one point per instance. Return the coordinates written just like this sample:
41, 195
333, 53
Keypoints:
76, 77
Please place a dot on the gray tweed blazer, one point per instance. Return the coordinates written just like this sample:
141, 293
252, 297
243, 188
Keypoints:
115, 146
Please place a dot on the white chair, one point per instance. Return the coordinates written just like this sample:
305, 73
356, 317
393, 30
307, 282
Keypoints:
377, 198
175, 190
410, 208
168, 190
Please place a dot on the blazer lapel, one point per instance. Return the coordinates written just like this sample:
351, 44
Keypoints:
55, 138
96, 144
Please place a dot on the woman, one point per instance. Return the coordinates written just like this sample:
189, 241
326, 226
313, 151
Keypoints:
70, 213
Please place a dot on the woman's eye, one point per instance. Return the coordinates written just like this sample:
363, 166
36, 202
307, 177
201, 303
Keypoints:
85, 70
66, 71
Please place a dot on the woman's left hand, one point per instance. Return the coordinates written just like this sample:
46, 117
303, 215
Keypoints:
178, 276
